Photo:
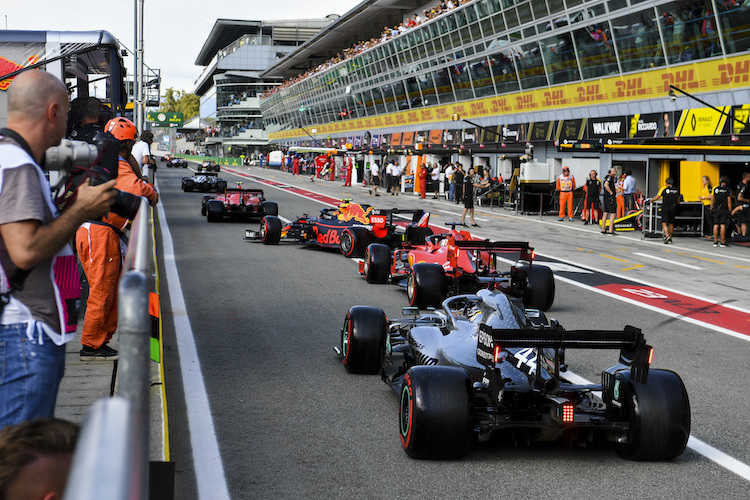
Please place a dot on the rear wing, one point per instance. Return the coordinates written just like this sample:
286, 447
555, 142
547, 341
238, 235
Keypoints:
418, 216
527, 253
523, 246
634, 352
258, 192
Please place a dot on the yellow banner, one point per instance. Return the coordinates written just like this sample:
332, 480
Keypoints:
701, 121
707, 76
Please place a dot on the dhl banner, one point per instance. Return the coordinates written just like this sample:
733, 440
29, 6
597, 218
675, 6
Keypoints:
716, 75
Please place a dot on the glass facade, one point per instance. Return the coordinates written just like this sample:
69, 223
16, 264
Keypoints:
495, 47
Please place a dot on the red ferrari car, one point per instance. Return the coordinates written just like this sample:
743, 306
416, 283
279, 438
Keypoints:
237, 203
454, 263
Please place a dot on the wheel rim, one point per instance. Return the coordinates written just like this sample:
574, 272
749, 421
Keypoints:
405, 413
410, 289
345, 339
367, 262
346, 242
263, 229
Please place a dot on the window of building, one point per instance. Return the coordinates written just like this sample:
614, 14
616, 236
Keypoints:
524, 13
556, 6
481, 78
596, 55
734, 20
503, 70
690, 31
530, 66
614, 5
560, 58
443, 85
511, 18
637, 41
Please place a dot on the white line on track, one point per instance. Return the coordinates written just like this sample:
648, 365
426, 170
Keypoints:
459, 215
695, 444
700, 447
209, 469
667, 260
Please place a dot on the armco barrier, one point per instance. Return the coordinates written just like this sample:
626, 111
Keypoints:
111, 459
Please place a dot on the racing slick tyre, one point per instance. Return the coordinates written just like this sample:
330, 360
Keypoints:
416, 235
659, 414
435, 412
204, 205
270, 230
539, 290
215, 211
270, 208
221, 186
354, 241
377, 263
188, 186
363, 340
425, 286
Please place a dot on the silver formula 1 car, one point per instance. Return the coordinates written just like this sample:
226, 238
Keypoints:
483, 363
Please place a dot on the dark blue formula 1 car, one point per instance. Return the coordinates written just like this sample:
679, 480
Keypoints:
484, 364
351, 228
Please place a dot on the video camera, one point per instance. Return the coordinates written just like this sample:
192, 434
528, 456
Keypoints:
97, 162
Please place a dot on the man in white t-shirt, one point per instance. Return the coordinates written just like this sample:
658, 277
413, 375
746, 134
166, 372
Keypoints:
449, 177
396, 181
142, 154
435, 179
389, 176
375, 171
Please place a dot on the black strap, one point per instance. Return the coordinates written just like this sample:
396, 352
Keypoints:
116, 229
17, 280
20, 140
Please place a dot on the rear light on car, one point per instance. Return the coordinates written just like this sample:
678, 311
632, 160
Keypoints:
568, 415
650, 356
497, 353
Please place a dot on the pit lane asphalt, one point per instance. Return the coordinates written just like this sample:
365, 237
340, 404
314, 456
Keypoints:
291, 422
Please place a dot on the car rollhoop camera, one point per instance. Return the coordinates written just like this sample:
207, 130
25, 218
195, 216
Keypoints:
79, 161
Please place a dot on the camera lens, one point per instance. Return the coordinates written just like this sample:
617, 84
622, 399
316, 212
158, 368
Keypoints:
126, 204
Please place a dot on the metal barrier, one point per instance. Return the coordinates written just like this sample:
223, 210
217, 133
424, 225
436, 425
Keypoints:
111, 459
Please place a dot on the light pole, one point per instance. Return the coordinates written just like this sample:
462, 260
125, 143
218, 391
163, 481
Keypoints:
673, 97
314, 131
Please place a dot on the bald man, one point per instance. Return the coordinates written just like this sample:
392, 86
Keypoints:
34, 251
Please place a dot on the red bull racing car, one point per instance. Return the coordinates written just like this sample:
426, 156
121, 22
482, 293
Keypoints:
453, 262
237, 203
351, 228
484, 365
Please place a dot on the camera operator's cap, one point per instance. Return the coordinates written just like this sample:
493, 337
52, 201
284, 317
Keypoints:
122, 128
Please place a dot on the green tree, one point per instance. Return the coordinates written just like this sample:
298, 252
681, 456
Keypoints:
179, 101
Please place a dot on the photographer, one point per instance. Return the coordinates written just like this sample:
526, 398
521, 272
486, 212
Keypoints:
101, 244
33, 239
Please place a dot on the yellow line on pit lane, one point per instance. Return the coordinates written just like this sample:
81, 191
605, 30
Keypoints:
631, 268
613, 258
708, 260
